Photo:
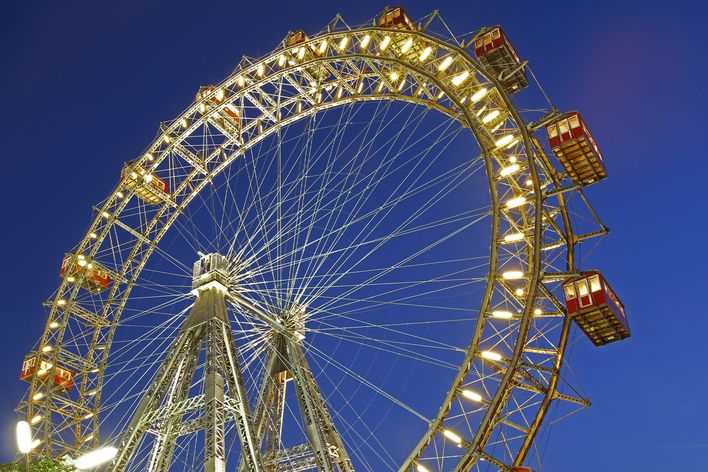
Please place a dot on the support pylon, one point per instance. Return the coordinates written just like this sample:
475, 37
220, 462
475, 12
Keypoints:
167, 402
287, 362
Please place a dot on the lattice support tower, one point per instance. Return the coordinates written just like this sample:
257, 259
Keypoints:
167, 400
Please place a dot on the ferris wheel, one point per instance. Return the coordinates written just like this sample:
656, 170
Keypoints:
356, 252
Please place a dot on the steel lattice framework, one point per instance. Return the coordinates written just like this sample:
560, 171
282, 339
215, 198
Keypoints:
511, 368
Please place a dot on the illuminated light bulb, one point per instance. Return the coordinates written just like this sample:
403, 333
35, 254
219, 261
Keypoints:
461, 77
260, 69
323, 46
425, 54
185, 124
365, 41
23, 434
61, 302
504, 140
440, 95
36, 419
512, 159
490, 116
519, 292
491, 355
166, 139
537, 311
407, 46
394, 76
301, 53
93, 459
502, 314
93, 235
88, 415
149, 157
92, 393
445, 64
529, 182
53, 325
282, 60
384, 44
299, 107
400, 86
119, 194
81, 256
478, 95
240, 81
105, 214
512, 143
38, 396
513, 237
88, 438
35, 443
82, 262
340, 91
515, 202
470, 395
512, 275
452, 436
47, 348
41, 372
71, 279
148, 177
421, 468
380, 87
202, 108
93, 371
219, 94
360, 87
509, 170
343, 43
89, 265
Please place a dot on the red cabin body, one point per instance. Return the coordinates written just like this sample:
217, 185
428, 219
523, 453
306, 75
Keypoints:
397, 18
595, 308
148, 187
62, 377
518, 468
95, 277
297, 37
228, 116
498, 56
576, 149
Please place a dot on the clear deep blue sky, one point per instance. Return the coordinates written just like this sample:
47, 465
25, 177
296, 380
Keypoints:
83, 87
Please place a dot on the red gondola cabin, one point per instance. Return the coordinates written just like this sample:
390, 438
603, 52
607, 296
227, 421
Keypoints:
95, 277
62, 377
575, 148
148, 187
297, 37
229, 116
498, 56
595, 308
518, 468
397, 18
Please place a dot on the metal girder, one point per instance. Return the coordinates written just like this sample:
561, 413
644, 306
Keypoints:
167, 400
325, 439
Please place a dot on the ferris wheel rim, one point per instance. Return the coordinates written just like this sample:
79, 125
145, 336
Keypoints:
535, 269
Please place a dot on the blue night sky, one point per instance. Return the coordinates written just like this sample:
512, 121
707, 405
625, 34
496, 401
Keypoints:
85, 86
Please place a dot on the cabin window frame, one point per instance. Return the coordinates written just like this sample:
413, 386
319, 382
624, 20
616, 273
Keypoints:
570, 293
594, 281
